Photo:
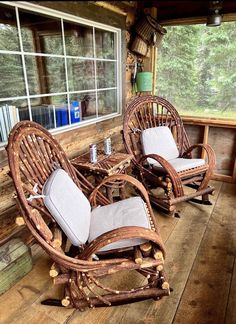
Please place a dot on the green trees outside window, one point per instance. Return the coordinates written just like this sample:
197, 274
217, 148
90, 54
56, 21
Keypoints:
196, 69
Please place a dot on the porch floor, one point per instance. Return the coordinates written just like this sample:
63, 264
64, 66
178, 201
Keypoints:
200, 264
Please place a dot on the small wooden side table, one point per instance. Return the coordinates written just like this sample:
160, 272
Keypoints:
106, 165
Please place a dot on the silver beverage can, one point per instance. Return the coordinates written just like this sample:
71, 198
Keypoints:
107, 146
93, 153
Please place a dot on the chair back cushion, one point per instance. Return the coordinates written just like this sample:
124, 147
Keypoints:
159, 140
68, 205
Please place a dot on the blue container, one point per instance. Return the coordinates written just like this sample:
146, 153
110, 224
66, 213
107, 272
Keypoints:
75, 112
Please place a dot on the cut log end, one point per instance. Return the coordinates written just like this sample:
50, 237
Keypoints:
54, 271
146, 249
20, 221
65, 301
165, 285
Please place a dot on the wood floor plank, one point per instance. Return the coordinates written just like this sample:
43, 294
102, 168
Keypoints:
28, 289
183, 237
206, 293
231, 307
181, 250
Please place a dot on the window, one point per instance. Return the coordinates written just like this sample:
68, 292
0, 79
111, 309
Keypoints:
58, 70
196, 69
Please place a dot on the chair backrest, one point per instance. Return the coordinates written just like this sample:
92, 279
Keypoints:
159, 140
33, 156
146, 112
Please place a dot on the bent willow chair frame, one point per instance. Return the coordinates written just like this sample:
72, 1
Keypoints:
33, 155
152, 111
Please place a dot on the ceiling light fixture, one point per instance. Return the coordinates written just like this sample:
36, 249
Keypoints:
214, 18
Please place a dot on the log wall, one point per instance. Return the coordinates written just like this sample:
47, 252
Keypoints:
74, 141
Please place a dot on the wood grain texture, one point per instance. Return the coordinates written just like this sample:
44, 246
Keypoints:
196, 267
206, 293
182, 246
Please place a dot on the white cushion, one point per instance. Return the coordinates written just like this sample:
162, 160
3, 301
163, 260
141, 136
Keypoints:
181, 164
159, 140
128, 212
68, 205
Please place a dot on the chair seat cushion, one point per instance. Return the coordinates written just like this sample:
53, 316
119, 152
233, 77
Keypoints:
127, 212
159, 140
181, 164
68, 205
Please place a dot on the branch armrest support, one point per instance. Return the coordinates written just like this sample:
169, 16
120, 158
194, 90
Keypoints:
175, 179
209, 151
126, 232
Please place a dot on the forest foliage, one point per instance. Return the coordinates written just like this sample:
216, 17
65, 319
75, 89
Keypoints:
196, 69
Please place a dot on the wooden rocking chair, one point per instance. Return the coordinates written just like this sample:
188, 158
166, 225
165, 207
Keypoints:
154, 133
50, 191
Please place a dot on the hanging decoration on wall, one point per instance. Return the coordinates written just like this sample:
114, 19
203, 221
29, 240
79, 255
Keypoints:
147, 33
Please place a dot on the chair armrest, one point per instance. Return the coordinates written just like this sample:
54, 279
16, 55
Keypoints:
209, 151
122, 177
174, 177
126, 232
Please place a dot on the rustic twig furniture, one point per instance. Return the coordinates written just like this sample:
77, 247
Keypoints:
154, 133
106, 165
34, 157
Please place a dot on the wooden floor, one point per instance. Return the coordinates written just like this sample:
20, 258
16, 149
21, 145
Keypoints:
201, 248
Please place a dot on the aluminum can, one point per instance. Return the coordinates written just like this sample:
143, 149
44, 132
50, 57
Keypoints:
93, 153
107, 146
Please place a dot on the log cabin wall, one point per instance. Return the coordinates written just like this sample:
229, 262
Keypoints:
74, 141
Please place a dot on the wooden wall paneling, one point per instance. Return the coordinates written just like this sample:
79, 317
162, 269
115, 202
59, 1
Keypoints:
222, 141
220, 134
196, 135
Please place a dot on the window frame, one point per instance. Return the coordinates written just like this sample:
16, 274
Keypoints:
73, 19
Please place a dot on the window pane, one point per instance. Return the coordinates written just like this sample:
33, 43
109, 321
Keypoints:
11, 111
107, 102
105, 44
78, 40
196, 69
50, 112
45, 74
12, 79
9, 40
87, 104
40, 34
106, 74
80, 74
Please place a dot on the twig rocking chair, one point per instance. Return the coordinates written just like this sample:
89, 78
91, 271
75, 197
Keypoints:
52, 198
154, 133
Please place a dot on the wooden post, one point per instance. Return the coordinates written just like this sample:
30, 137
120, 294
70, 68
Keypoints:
205, 140
234, 172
